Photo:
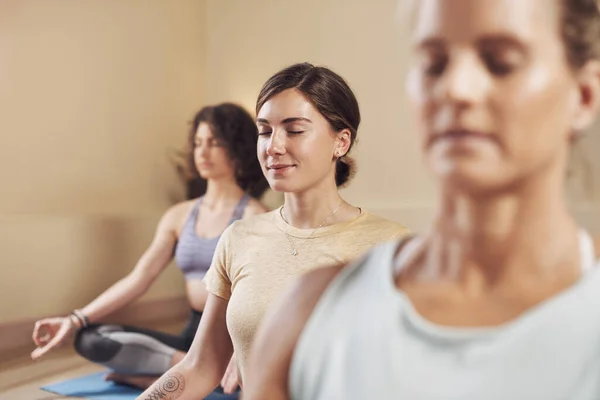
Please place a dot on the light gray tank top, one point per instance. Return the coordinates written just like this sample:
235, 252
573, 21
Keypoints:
365, 341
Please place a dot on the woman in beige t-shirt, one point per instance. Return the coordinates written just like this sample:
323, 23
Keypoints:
307, 120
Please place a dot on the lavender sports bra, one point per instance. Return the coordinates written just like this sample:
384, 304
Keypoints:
194, 254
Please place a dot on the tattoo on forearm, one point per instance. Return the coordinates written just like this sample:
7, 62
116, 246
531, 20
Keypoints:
168, 388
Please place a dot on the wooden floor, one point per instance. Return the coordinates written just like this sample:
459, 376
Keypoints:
21, 378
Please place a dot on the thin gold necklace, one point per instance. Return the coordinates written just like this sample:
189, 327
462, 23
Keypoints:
289, 238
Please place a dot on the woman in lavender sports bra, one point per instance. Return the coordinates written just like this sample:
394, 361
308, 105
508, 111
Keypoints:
222, 150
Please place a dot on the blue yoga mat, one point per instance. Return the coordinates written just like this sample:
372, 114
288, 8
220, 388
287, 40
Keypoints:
96, 388
93, 387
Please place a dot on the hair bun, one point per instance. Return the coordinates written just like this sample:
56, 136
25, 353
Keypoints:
345, 168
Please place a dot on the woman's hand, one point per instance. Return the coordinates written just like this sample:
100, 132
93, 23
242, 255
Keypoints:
50, 333
230, 380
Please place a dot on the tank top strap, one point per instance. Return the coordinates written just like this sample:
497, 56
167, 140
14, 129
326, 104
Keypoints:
190, 223
586, 251
238, 211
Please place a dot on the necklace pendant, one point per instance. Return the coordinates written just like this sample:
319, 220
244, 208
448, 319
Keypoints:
294, 252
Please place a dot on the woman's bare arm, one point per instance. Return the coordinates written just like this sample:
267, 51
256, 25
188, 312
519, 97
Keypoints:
154, 260
50, 333
201, 369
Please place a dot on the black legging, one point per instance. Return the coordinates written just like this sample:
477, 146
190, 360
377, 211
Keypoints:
132, 350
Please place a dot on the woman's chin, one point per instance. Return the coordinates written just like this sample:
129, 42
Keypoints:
476, 182
206, 175
279, 187
282, 186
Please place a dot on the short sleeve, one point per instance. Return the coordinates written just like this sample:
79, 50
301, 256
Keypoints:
400, 232
217, 279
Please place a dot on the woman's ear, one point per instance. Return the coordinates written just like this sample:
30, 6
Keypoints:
343, 142
587, 102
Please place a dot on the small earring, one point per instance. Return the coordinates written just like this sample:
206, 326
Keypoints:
578, 127
576, 134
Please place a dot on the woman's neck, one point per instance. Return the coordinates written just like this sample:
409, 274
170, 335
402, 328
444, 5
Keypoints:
484, 242
222, 193
316, 207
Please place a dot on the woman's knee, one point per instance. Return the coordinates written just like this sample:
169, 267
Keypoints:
122, 351
92, 343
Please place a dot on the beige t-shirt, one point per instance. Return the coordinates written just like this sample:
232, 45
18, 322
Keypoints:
253, 263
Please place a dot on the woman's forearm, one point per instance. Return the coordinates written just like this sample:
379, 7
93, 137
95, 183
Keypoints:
182, 382
114, 298
202, 368
154, 260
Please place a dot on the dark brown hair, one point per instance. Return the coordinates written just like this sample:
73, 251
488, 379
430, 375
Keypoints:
236, 129
580, 30
330, 95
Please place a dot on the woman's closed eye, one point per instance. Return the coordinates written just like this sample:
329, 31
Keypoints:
295, 129
498, 65
209, 143
433, 64
266, 132
436, 68
503, 55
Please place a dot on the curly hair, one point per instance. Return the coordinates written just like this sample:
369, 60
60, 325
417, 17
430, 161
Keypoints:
330, 95
236, 128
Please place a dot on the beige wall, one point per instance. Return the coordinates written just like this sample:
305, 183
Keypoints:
93, 94
364, 41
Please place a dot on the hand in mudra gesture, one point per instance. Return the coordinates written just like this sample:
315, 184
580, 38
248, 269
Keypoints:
50, 333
